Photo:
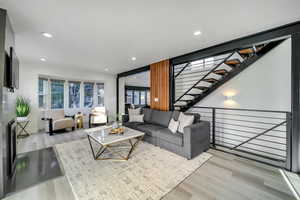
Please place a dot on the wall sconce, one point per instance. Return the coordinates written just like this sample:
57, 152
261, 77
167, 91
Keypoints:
229, 98
156, 99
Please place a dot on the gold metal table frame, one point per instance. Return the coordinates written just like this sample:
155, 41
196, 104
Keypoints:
110, 148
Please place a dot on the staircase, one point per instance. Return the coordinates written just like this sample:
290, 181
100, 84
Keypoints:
196, 80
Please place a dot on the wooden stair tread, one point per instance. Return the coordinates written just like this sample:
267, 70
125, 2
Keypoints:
210, 80
193, 95
246, 51
201, 87
250, 50
233, 62
185, 100
221, 71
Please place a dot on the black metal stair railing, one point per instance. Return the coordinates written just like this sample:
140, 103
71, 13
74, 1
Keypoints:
261, 135
210, 72
190, 83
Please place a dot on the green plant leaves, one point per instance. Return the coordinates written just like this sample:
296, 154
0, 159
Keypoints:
22, 107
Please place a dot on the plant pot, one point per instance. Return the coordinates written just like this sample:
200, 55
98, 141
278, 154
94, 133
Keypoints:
20, 119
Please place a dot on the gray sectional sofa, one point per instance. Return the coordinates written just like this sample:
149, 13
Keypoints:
194, 140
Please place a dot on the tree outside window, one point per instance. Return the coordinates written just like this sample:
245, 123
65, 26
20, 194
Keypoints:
57, 94
88, 94
74, 94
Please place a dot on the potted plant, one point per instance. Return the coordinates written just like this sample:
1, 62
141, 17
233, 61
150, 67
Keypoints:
22, 109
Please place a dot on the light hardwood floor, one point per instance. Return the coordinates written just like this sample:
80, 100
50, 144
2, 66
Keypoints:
223, 177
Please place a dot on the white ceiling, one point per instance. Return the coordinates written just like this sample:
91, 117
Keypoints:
98, 34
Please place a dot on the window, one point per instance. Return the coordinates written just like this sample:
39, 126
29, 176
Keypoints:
88, 94
143, 98
129, 97
52, 93
57, 94
137, 95
148, 98
136, 98
42, 93
100, 94
74, 94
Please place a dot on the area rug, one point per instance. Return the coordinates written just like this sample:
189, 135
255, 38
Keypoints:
149, 174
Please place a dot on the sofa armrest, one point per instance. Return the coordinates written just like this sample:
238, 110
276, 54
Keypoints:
46, 119
125, 118
196, 138
50, 124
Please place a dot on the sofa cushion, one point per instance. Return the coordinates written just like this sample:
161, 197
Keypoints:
132, 112
173, 125
132, 125
149, 129
147, 114
197, 116
175, 115
185, 120
161, 117
136, 118
167, 135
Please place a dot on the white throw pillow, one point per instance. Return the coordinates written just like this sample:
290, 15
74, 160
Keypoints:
184, 120
173, 125
132, 112
136, 118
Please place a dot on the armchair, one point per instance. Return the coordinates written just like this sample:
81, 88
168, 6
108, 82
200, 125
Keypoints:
57, 120
98, 116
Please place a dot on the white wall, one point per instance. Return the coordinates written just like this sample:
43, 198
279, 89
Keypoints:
264, 85
29, 86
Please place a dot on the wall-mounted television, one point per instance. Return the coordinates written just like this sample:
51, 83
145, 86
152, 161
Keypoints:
12, 70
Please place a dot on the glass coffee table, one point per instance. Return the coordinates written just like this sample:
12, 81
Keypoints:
113, 143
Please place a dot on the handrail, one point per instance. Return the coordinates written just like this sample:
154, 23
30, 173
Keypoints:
213, 69
242, 109
235, 138
266, 131
182, 69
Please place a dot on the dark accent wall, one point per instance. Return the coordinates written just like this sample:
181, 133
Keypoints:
7, 99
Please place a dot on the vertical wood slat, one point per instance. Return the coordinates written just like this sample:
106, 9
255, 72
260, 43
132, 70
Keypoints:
159, 75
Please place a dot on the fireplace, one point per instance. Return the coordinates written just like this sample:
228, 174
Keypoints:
11, 147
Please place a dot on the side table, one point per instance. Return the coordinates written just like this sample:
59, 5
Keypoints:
79, 120
22, 124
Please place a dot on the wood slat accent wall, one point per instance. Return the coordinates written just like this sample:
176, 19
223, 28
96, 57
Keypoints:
159, 75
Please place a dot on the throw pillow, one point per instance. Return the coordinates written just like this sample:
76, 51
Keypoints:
147, 114
173, 125
132, 112
184, 120
136, 118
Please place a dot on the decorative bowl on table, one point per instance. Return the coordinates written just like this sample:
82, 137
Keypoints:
118, 131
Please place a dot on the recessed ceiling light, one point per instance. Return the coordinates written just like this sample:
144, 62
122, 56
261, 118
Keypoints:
197, 33
43, 59
106, 69
47, 35
133, 58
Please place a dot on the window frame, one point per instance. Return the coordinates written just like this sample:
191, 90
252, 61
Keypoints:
92, 92
44, 93
99, 95
47, 94
69, 94
51, 93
